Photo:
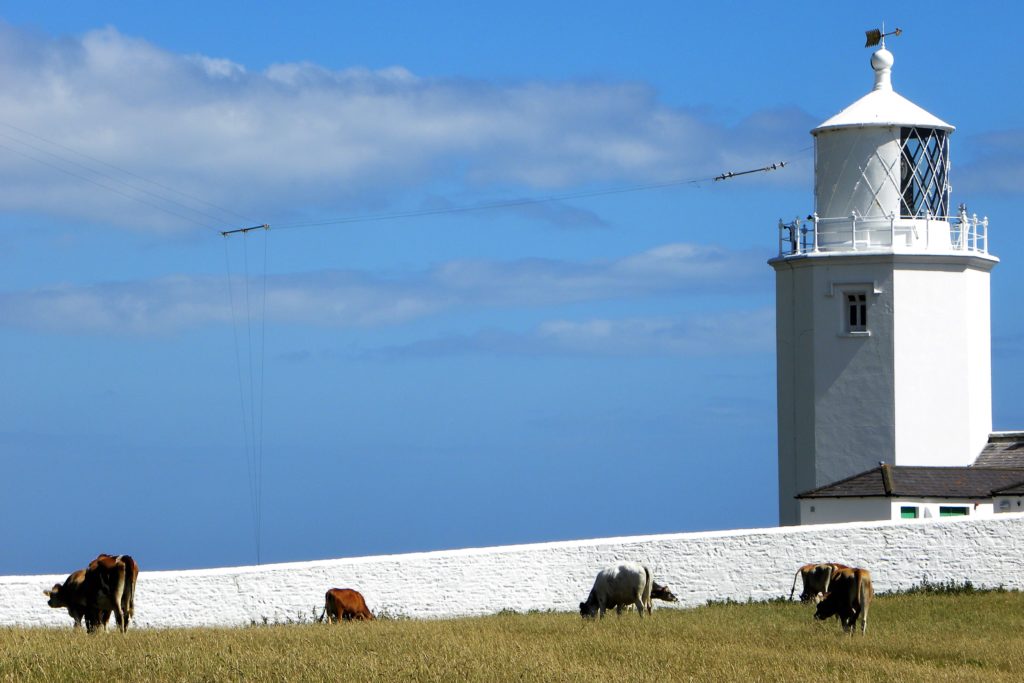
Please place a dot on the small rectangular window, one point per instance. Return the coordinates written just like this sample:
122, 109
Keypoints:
953, 511
908, 512
856, 312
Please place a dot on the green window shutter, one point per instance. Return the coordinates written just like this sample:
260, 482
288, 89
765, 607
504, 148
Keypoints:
953, 511
908, 512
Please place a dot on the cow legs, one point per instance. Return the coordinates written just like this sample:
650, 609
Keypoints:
126, 611
639, 606
94, 620
850, 622
118, 616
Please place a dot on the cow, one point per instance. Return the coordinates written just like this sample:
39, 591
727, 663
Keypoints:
345, 604
118, 575
629, 583
70, 594
849, 598
106, 585
816, 579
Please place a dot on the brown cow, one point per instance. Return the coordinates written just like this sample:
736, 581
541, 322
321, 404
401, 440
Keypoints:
345, 604
816, 578
849, 599
659, 592
106, 585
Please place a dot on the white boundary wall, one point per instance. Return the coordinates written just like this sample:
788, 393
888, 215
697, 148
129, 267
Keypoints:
753, 564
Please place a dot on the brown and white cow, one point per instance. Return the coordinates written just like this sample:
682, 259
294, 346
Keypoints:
345, 604
117, 575
106, 585
816, 579
848, 598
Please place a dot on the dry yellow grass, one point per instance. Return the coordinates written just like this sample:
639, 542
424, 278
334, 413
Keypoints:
975, 637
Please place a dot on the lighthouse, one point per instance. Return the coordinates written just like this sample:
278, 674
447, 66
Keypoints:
882, 303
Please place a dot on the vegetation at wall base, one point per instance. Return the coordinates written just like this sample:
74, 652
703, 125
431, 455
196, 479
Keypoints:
948, 587
944, 635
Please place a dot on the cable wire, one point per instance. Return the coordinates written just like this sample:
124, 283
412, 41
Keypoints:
534, 200
124, 171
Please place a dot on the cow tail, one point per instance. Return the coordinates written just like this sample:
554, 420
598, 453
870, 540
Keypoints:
828, 577
128, 598
119, 589
865, 592
648, 586
795, 577
320, 619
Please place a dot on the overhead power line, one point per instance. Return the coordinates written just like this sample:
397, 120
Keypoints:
107, 187
514, 203
119, 181
155, 197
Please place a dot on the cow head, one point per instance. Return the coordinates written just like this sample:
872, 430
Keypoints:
588, 610
826, 608
659, 592
55, 599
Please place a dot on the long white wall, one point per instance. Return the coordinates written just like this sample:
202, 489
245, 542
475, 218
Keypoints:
757, 564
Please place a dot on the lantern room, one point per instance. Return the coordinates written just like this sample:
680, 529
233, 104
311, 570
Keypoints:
881, 180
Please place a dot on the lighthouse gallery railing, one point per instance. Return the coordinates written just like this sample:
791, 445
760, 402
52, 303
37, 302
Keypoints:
817, 234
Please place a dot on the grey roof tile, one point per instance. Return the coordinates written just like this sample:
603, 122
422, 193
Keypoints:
1003, 450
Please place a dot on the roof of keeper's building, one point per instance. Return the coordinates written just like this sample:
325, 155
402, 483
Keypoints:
1004, 450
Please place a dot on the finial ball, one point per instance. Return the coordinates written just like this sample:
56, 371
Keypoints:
882, 59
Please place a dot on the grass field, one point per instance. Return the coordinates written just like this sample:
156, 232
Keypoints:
923, 637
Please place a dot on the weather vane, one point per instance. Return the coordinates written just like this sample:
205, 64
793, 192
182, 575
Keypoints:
876, 36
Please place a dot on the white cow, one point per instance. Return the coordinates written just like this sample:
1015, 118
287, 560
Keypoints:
628, 583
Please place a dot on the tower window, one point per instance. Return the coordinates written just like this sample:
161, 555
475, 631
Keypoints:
924, 188
856, 312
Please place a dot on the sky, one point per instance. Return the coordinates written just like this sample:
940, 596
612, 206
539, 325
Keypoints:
501, 299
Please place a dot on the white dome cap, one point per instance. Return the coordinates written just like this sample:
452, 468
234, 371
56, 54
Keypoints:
883, 106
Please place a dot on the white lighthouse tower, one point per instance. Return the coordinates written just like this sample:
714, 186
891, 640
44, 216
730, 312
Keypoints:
882, 303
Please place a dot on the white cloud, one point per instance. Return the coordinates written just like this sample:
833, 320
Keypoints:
300, 137
714, 334
351, 298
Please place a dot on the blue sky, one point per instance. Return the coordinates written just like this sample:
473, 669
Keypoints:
597, 365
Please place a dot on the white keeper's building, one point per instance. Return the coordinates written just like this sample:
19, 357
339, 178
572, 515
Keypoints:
883, 331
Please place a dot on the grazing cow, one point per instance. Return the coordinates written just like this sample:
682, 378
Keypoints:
106, 585
849, 599
816, 579
345, 604
629, 583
